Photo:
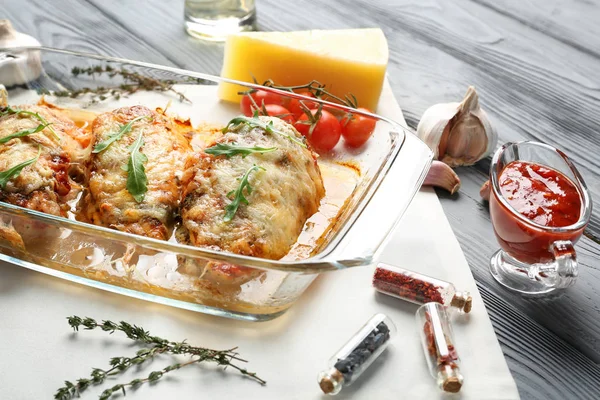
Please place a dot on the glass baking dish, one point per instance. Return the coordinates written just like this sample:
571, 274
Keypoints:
368, 190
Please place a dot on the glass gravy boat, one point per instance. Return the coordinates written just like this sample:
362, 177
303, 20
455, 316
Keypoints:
534, 259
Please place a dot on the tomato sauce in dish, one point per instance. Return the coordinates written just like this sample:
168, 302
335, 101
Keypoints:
541, 194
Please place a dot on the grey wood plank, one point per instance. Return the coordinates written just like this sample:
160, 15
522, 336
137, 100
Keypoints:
534, 85
161, 27
571, 22
77, 25
532, 362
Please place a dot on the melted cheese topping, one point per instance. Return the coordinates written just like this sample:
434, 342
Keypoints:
283, 196
45, 185
108, 202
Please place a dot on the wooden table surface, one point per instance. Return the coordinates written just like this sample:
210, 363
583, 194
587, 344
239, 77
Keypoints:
535, 64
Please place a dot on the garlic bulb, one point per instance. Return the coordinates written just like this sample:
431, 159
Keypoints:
458, 133
17, 68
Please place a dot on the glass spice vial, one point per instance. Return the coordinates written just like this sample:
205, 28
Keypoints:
357, 354
419, 288
438, 345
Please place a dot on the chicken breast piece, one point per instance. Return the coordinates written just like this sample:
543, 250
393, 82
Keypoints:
108, 201
46, 184
282, 197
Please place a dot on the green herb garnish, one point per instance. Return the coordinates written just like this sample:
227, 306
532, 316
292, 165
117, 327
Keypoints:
136, 171
22, 133
255, 122
127, 82
12, 111
12, 172
103, 145
238, 194
152, 346
230, 150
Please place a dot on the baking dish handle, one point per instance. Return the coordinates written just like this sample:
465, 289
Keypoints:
369, 233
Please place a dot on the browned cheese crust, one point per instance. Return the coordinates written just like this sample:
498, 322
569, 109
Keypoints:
283, 196
47, 184
108, 202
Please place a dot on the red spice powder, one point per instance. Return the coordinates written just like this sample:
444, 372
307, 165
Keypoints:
406, 287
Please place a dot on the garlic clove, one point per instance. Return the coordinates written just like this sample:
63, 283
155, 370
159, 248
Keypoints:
441, 175
458, 133
485, 191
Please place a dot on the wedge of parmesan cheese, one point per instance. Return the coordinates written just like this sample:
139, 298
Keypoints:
346, 61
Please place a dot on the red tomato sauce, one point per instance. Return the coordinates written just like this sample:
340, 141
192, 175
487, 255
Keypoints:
541, 194
544, 196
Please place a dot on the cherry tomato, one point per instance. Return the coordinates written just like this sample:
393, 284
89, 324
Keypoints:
260, 97
295, 107
326, 132
357, 129
275, 110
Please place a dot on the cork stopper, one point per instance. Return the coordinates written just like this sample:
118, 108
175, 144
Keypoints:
331, 382
452, 385
463, 301
450, 379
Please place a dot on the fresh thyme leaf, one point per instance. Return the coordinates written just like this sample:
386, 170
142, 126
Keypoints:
131, 82
11, 111
238, 194
153, 346
256, 122
12, 172
22, 133
137, 182
103, 145
230, 150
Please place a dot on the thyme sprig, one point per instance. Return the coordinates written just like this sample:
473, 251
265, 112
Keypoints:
12, 111
133, 82
225, 358
256, 122
230, 150
238, 194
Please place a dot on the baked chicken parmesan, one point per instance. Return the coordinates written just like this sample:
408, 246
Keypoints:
41, 151
134, 184
251, 190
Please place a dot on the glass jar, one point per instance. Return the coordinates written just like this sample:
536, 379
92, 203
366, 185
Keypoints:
438, 345
418, 288
216, 19
357, 354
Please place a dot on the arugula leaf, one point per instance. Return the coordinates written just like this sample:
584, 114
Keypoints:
103, 145
238, 194
12, 172
230, 150
136, 171
255, 122
22, 133
12, 111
